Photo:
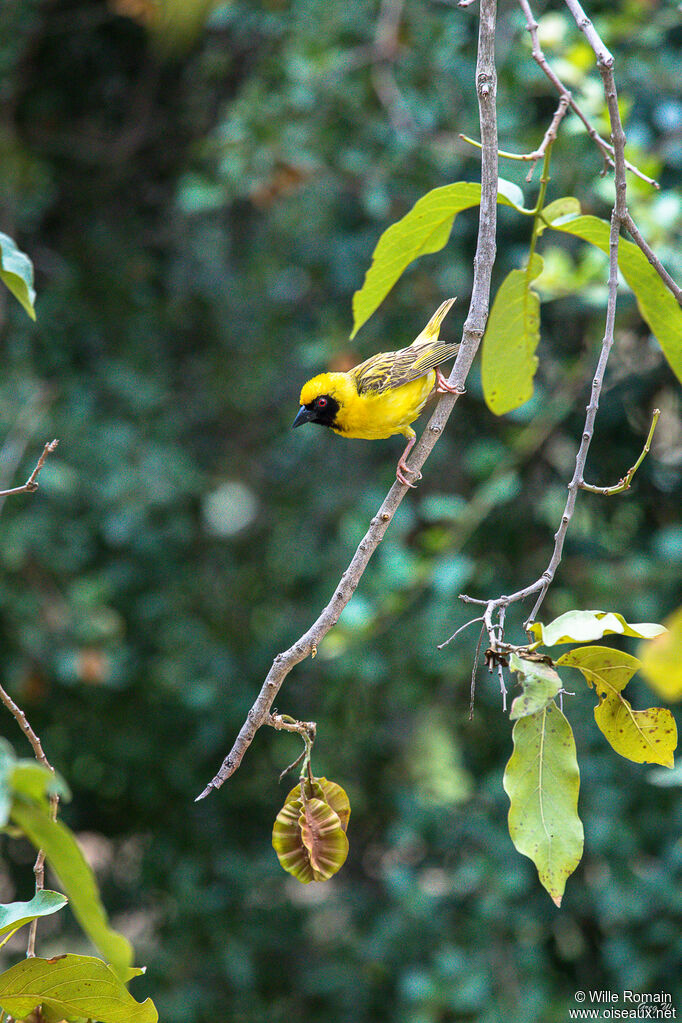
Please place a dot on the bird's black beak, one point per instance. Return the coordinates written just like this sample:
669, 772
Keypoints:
302, 416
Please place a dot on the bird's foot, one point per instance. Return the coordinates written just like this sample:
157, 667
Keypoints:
400, 471
443, 387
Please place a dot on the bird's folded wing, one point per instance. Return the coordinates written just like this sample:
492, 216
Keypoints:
387, 370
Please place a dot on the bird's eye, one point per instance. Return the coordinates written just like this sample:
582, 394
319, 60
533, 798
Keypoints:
321, 402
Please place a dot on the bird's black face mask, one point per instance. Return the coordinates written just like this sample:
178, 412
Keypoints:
322, 410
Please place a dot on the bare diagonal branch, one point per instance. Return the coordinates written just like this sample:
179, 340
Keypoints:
474, 327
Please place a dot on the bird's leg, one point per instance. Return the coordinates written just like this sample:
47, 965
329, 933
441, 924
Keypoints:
443, 387
402, 467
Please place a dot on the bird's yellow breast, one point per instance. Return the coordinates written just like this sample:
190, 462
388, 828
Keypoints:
374, 416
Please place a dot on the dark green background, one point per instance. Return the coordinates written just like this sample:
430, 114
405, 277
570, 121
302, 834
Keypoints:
198, 222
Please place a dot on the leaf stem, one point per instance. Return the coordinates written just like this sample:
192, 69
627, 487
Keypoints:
539, 205
624, 483
500, 152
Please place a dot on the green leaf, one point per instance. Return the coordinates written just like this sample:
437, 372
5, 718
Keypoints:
7, 762
662, 660
67, 861
542, 781
36, 782
657, 305
567, 206
16, 270
540, 682
583, 626
508, 362
72, 986
426, 228
14, 915
26, 778
643, 736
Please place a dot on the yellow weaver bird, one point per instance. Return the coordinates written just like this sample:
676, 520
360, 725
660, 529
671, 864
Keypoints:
383, 395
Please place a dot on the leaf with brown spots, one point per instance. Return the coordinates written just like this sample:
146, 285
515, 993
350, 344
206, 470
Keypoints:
643, 736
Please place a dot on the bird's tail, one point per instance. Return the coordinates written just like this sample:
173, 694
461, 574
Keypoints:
432, 328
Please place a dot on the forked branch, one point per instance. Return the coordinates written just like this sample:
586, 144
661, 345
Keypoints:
498, 605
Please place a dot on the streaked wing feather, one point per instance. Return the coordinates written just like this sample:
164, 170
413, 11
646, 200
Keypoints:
387, 370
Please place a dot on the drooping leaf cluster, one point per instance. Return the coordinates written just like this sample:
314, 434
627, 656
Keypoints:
79, 987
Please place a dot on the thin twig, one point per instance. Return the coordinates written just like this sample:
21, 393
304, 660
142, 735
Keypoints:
630, 226
503, 688
306, 729
30, 486
474, 327
618, 217
36, 745
537, 154
540, 59
457, 632
21, 433
550, 135
474, 669
23, 723
624, 483
605, 63
603, 54
282, 722
31, 483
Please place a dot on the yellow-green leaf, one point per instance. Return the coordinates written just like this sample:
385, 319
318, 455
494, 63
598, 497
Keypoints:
72, 986
37, 782
426, 228
75, 876
566, 206
584, 626
508, 362
662, 660
542, 781
7, 761
16, 270
657, 305
643, 736
14, 915
540, 683
26, 778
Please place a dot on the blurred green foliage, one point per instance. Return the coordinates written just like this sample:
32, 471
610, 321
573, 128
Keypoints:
198, 223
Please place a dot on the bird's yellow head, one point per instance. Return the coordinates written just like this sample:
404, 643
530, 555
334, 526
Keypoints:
322, 398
